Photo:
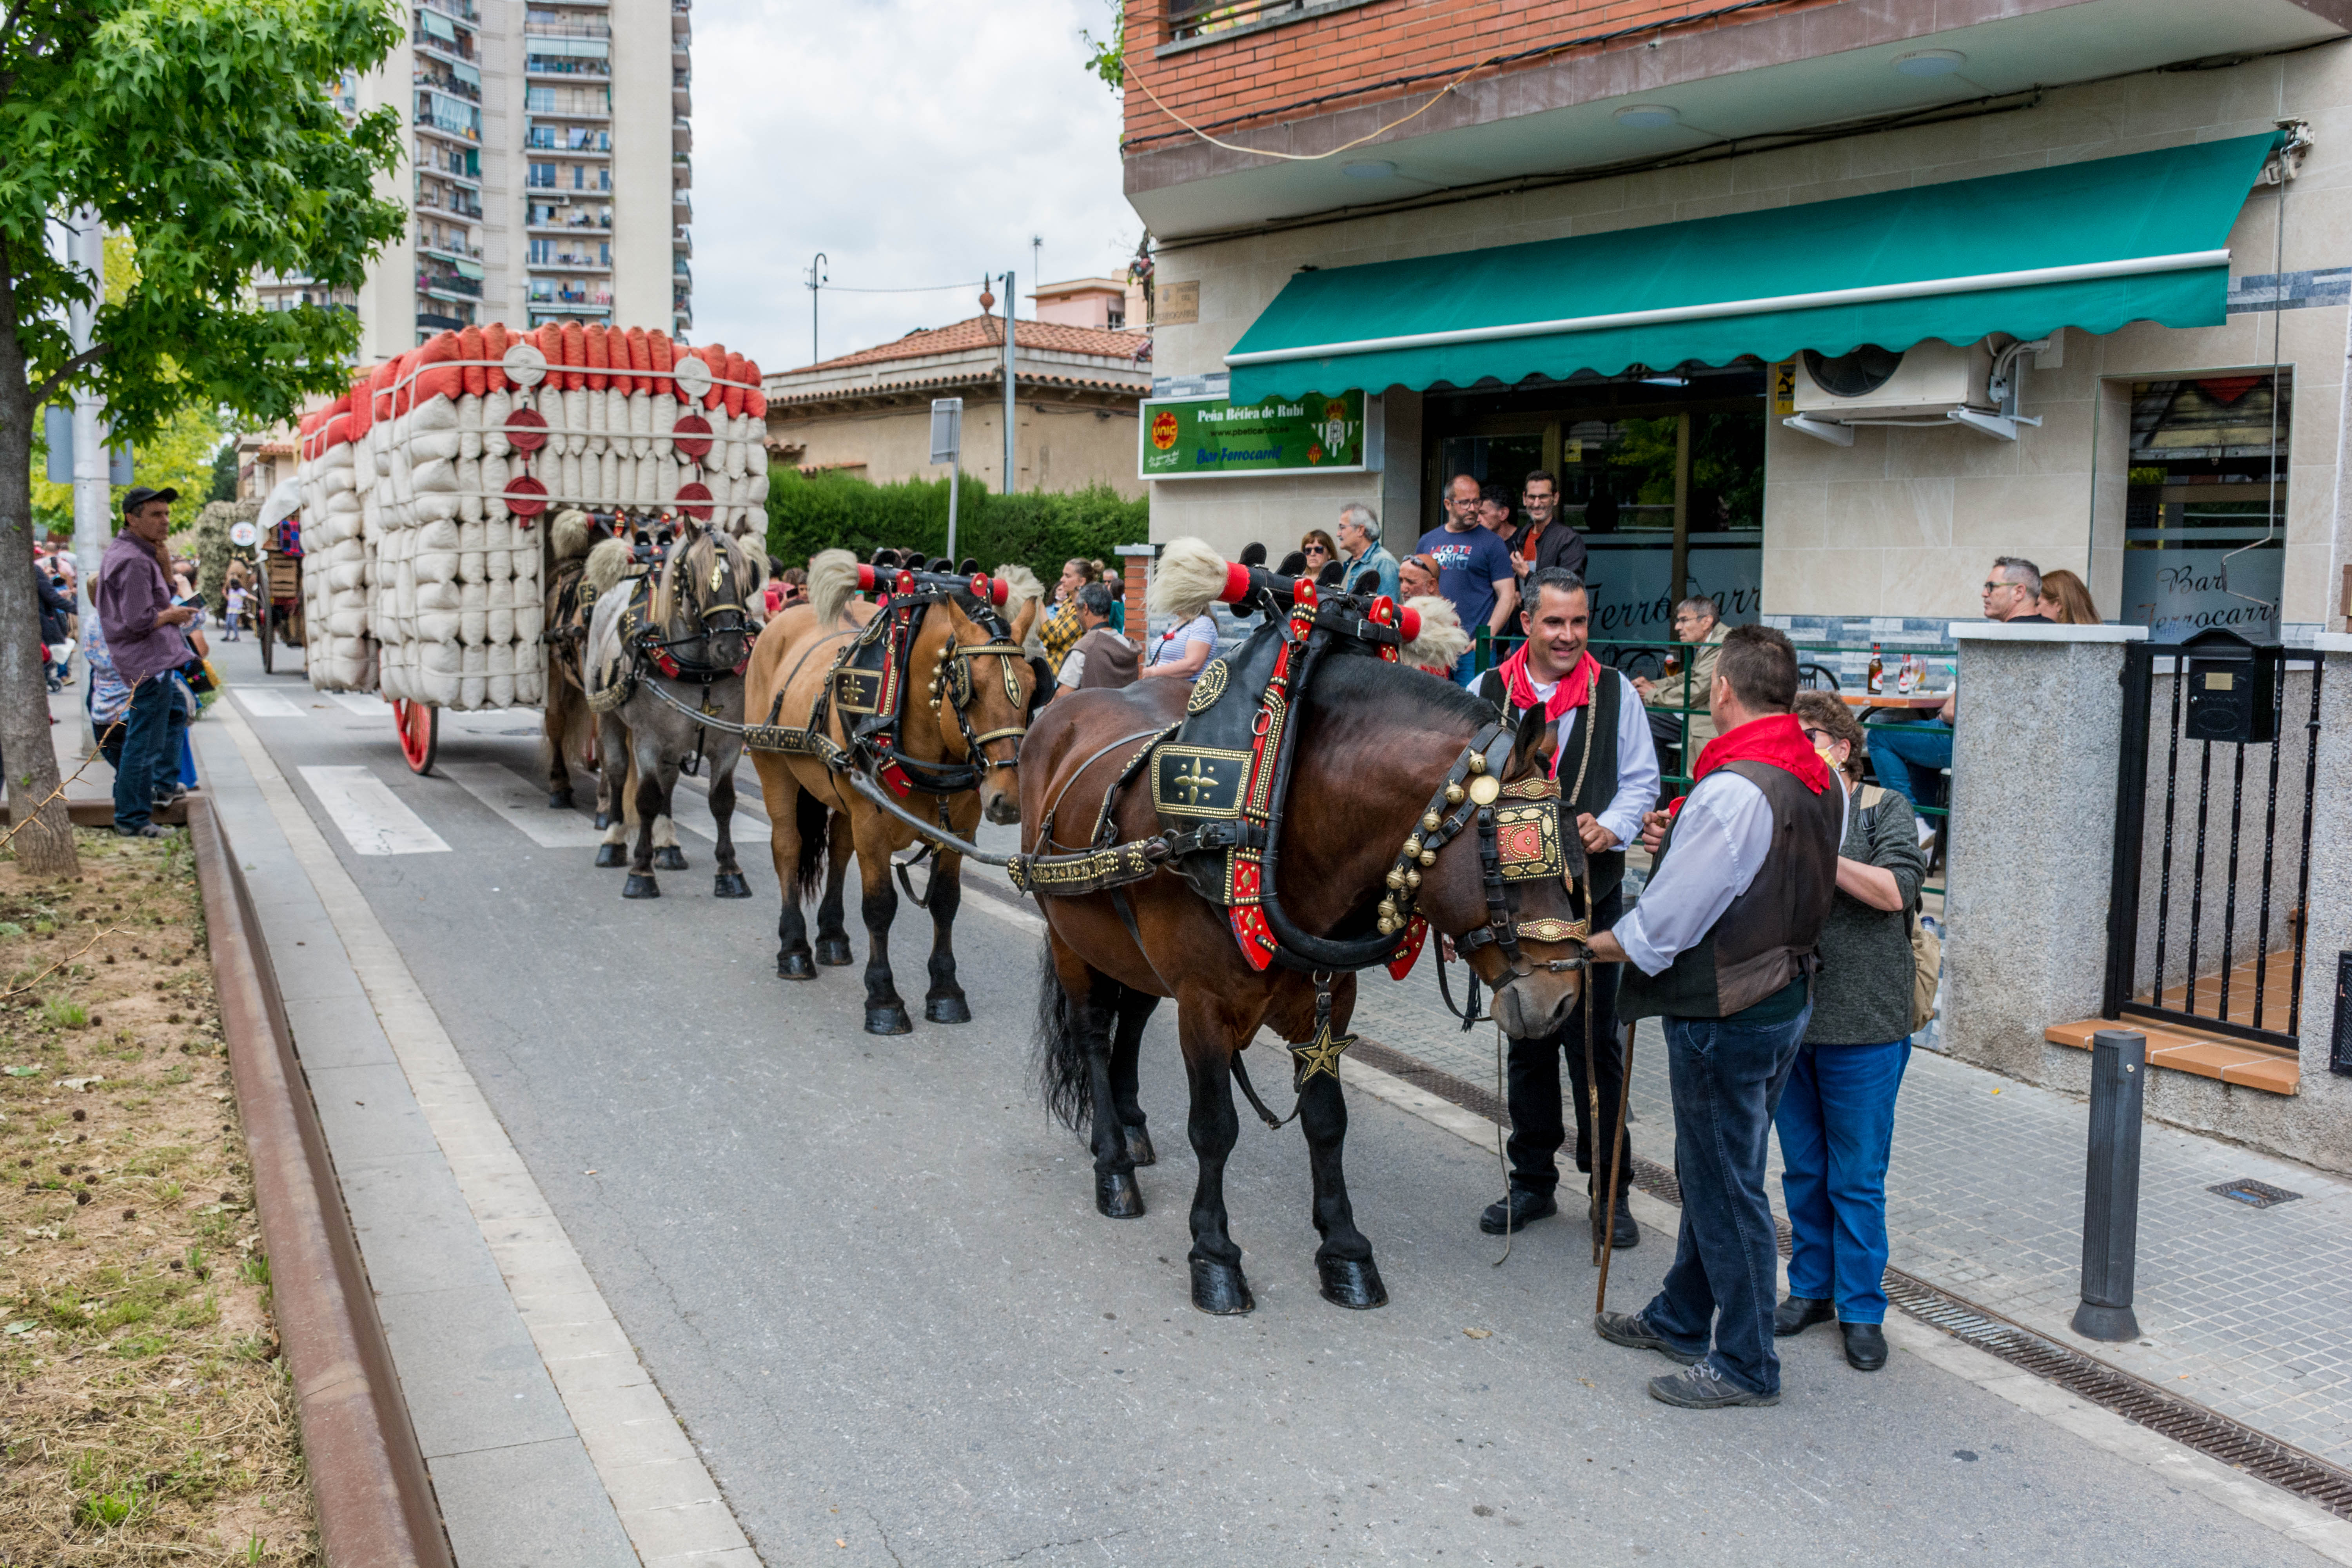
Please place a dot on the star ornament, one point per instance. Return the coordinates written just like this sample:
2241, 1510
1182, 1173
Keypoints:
1320, 1054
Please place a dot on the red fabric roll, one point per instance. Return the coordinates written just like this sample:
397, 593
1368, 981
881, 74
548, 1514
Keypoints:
575, 346
495, 344
733, 396
657, 349
469, 347
437, 375
755, 401
597, 356
715, 356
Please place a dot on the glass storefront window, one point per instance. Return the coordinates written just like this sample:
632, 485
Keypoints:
2205, 505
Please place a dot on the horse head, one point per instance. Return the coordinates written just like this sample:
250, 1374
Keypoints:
1541, 865
980, 684
702, 599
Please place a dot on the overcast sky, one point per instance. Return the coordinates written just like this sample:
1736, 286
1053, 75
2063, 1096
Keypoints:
913, 141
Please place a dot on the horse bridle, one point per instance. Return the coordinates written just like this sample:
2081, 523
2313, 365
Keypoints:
1520, 842
952, 676
661, 650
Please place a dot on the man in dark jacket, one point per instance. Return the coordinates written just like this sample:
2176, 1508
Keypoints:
141, 624
1545, 540
1723, 946
1608, 776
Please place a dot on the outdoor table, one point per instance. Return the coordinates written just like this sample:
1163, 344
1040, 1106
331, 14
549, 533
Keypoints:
1922, 702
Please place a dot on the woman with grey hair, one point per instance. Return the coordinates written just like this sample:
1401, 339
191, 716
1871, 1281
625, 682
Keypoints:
1360, 548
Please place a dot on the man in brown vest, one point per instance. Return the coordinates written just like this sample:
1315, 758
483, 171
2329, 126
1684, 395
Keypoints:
1720, 950
1099, 657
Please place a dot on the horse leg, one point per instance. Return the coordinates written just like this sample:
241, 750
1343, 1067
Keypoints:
1350, 1279
611, 788
1076, 1006
831, 935
557, 723
1134, 1011
729, 883
787, 847
885, 1011
1218, 1285
944, 1003
651, 804
668, 855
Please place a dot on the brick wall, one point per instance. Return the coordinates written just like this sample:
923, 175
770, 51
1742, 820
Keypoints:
1261, 73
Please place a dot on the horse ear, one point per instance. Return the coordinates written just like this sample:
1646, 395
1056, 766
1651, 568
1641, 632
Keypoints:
1025, 618
1528, 747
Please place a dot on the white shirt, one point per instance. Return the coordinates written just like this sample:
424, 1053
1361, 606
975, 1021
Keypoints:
1637, 759
1073, 668
1723, 833
1180, 638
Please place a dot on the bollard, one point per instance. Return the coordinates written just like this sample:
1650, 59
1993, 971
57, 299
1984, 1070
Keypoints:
2111, 1186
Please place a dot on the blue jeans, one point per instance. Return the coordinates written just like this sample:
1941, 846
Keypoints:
1466, 670
1837, 1128
150, 749
1909, 756
1722, 1285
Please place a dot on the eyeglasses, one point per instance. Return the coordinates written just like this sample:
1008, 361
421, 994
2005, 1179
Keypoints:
1822, 739
1313, 549
1988, 587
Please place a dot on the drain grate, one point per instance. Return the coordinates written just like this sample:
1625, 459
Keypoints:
2192, 1426
2255, 1194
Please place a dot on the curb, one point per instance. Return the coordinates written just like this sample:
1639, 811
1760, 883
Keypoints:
367, 1475
100, 812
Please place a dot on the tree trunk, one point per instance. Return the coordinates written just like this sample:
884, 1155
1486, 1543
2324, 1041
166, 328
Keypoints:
44, 847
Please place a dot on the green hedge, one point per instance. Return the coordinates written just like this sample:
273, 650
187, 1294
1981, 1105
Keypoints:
1041, 532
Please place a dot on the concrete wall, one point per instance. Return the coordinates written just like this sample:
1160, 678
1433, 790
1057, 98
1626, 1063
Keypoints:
1904, 522
1058, 446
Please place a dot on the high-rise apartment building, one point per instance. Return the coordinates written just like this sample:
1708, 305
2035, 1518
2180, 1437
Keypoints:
548, 173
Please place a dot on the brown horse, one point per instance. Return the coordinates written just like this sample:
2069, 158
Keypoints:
571, 729
979, 689
1379, 748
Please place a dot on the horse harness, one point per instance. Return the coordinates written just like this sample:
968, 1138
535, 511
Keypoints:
645, 647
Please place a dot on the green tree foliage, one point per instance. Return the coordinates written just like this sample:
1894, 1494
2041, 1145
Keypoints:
834, 511
1107, 57
203, 132
224, 486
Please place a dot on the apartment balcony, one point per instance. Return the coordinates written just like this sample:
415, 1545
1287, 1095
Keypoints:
450, 85
681, 174
681, 135
567, 264
681, 242
559, 67
426, 204
461, 53
460, 10
581, 304
681, 207
678, 268
599, 116
535, 28
448, 286
544, 139
434, 321
569, 226
452, 253
681, 100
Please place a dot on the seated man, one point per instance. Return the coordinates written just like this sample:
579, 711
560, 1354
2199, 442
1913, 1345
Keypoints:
1101, 657
1909, 757
1699, 624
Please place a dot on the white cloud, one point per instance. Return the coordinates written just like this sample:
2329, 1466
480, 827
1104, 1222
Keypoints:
913, 141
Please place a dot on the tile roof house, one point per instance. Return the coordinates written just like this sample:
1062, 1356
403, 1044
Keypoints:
1076, 389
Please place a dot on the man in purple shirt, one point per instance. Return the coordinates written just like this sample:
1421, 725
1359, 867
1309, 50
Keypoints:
142, 624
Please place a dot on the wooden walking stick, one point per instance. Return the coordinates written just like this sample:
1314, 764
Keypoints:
1616, 1170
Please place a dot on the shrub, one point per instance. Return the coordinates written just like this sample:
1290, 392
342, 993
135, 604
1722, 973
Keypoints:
1041, 532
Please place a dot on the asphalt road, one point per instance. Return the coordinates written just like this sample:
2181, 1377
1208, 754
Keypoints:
868, 1276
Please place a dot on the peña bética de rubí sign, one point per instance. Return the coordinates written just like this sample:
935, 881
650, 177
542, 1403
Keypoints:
1201, 438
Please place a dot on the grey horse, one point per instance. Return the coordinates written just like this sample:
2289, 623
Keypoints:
666, 650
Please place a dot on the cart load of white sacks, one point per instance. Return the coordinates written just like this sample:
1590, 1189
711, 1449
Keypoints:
425, 489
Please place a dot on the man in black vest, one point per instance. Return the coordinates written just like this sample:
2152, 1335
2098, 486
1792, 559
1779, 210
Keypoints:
1608, 773
1722, 944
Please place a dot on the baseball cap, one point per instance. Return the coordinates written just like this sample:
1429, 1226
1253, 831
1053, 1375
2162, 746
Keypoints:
140, 495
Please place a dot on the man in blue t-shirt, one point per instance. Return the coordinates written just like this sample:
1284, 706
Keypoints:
1474, 568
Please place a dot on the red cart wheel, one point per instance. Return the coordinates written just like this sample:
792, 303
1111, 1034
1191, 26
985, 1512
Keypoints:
420, 733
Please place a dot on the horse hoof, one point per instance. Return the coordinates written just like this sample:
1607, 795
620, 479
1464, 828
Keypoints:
559, 800
641, 886
890, 1018
832, 951
669, 857
730, 885
611, 855
1138, 1145
1116, 1196
1218, 1289
1351, 1284
951, 1008
796, 966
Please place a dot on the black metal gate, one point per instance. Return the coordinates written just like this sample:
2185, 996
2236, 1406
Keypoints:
2205, 918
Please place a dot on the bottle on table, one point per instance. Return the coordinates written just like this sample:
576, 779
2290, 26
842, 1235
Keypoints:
1878, 682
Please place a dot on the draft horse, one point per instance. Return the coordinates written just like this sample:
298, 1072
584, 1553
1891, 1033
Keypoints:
568, 601
924, 696
1381, 824
667, 644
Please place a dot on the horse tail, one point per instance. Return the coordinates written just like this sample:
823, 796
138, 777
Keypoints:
811, 817
1065, 1076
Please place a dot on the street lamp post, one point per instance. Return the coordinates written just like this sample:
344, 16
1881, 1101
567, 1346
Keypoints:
816, 280
1009, 470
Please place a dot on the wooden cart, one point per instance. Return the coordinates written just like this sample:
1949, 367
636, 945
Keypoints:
278, 603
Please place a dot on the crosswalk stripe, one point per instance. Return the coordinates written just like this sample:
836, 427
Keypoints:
372, 819
261, 702
364, 703
504, 792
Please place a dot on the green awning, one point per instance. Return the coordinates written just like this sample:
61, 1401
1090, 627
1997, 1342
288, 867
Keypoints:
2091, 245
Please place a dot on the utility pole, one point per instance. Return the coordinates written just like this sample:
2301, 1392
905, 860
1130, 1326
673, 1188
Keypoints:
1009, 469
816, 282
1037, 258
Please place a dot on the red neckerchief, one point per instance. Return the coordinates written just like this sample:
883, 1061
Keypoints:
1573, 691
1778, 739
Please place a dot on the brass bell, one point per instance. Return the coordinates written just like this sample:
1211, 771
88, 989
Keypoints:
1388, 926
1387, 909
1429, 857
1454, 794
1413, 878
1411, 846
1477, 762
1396, 878
1429, 821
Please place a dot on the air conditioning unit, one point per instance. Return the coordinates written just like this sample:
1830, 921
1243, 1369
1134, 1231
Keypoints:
1932, 382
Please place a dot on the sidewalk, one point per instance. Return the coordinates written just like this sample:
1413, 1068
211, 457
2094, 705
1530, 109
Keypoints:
2243, 1311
